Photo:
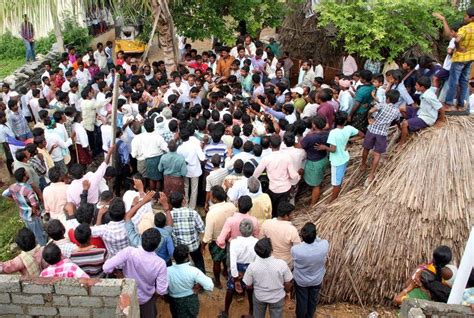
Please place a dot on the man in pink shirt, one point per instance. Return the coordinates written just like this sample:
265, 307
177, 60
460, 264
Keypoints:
325, 109
55, 195
231, 228
77, 172
280, 171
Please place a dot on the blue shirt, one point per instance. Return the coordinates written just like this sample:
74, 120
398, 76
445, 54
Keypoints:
309, 261
183, 277
165, 248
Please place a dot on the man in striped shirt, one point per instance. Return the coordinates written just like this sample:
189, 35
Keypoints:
58, 266
88, 257
215, 147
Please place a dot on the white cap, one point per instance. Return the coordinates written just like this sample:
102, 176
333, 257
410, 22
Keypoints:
298, 90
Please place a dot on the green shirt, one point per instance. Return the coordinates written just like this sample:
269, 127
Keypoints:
173, 164
299, 104
363, 95
246, 83
339, 138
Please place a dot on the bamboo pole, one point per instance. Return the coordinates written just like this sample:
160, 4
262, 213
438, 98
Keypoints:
115, 94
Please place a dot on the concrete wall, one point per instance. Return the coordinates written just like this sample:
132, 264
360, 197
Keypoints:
68, 297
417, 308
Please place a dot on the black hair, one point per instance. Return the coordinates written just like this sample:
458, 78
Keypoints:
52, 254
393, 96
263, 248
442, 256
117, 210
184, 134
149, 125
218, 193
248, 146
110, 172
55, 229
160, 220
25, 239
55, 174
366, 75
238, 166
176, 199
285, 208
151, 239
275, 141
265, 142
237, 143
85, 213
289, 139
424, 81
340, 118
20, 154
257, 150
319, 122
308, 233
106, 196
32, 149
245, 204
19, 174
76, 171
289, 108
247, 129
181, 253
82, 233
173, 125
248, 169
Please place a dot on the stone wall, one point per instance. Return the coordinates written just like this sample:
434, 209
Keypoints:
68, 297
417, 308
22, 76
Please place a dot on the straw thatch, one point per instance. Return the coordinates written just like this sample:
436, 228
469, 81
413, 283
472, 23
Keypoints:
422, 197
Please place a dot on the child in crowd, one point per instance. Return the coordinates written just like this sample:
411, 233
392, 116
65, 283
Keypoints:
379, 93
377, 131
338, 155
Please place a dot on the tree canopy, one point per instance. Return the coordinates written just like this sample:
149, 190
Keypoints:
384, 29
198, 19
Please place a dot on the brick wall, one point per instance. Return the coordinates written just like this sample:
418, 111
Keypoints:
68, 297
418, 308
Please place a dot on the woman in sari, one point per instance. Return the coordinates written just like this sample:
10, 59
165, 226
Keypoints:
419, 285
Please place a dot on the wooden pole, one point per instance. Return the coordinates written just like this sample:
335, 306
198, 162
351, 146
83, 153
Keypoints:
115, 95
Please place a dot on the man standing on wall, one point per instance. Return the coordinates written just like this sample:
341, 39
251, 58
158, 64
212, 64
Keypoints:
28, 33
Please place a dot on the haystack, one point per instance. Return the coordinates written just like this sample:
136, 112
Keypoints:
422, 197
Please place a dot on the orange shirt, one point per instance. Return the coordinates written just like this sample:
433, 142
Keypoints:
223, 66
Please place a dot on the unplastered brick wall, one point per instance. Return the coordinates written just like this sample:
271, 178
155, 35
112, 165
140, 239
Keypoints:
20, 297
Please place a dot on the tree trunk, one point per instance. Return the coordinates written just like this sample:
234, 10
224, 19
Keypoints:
57, 26
156, 13
167, 37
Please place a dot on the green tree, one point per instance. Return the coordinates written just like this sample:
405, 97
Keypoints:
384, 29
199, 19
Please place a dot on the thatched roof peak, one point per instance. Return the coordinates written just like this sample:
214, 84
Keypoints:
423, 197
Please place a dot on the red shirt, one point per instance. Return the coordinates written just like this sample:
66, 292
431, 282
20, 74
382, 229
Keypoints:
95, 240
327, 111
198, 66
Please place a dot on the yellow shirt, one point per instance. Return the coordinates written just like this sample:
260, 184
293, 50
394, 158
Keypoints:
465, 52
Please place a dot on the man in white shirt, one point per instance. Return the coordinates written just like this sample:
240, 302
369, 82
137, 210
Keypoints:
83, 76
193, 154
100, 57
308, 74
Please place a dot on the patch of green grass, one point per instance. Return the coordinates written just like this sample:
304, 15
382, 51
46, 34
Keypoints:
10, 223
7, 66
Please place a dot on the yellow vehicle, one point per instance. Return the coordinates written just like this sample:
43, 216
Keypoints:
128, 42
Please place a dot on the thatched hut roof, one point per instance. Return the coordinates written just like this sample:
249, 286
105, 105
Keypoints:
423, 197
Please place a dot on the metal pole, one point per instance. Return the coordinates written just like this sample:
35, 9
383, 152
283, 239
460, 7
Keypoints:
464, 270
115, 95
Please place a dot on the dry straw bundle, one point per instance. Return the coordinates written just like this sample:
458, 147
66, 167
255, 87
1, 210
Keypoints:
423, 197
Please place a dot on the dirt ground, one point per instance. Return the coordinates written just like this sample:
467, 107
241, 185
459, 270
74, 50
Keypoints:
211, 304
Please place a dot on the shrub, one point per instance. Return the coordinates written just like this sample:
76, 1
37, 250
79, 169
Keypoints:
44, 45
11, 46
74, 35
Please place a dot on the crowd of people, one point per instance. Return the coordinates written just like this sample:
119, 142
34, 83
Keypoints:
224, 137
